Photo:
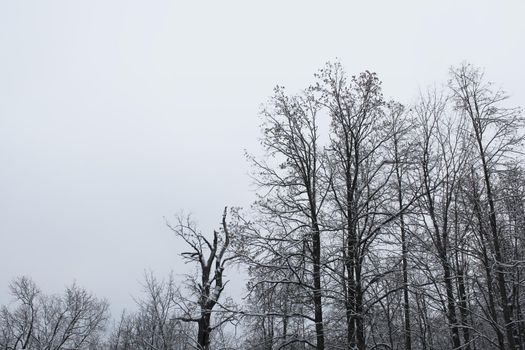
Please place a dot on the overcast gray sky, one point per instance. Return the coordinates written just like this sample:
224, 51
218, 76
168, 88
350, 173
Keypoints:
114, 114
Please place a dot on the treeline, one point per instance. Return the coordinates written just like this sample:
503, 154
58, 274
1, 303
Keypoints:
397, 228
377, 226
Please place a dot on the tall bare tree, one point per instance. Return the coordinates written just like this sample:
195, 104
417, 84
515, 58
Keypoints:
361, 176
402, 154
442, 159
494, 135
290, 174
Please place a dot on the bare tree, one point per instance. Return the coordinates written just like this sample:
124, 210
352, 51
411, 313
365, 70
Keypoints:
402, 156
494, 135
51, 322
18, 326
291, 177
154, 326
442, 159
211, 256
361, 183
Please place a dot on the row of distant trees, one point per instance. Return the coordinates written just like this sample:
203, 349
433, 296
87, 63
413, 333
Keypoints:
377, 226
73, 320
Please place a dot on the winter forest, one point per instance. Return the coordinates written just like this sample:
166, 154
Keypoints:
377, 225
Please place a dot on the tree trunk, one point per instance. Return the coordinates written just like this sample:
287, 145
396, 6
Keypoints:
204, 330
500, 270
451, 304
486, 265
318, 308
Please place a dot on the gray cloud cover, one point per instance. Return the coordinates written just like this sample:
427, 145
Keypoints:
114, 114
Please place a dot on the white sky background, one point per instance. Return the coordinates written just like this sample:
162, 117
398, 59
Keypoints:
114, 114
